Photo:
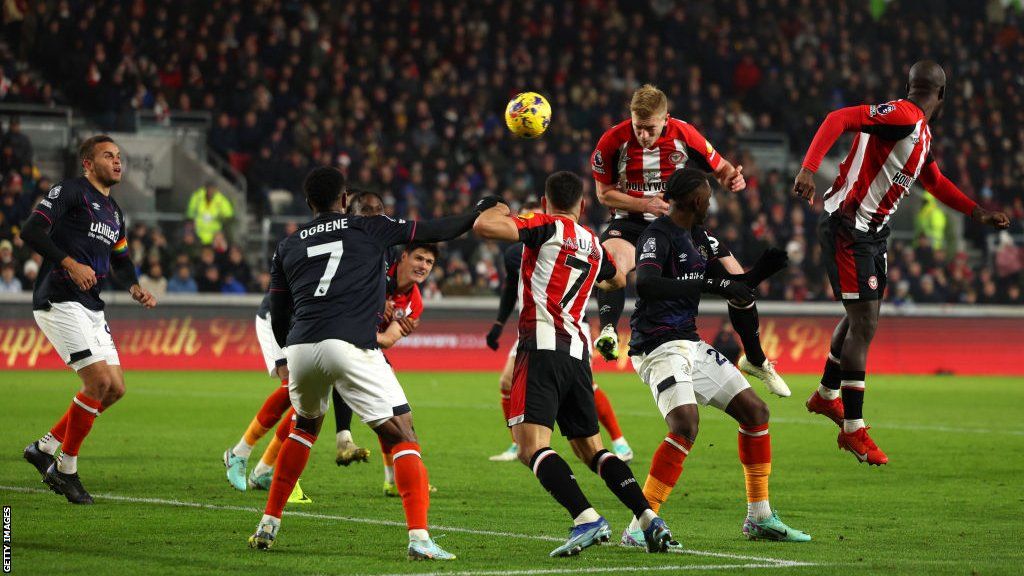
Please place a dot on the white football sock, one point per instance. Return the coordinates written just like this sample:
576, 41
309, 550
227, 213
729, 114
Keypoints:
48, 444
419, 534
827, 393
242, 449
588, 515
850, 426
343, 437
389, 474
634, 525
261, 469
758, 510
620, 441
646, 518
269, 520
67, 464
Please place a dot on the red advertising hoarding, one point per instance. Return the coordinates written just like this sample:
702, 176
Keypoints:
903, 345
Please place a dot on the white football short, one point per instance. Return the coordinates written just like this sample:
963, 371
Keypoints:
273, 356
81, 336
684, 372
364, 379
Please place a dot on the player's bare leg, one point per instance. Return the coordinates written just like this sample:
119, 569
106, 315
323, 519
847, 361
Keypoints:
505, 382
827, 400
411, 479
556, 477
667, 465
291, 461
606, 416
747, 324
755, 451
102, 386
863, 321
347, 450
611, 303
236, 458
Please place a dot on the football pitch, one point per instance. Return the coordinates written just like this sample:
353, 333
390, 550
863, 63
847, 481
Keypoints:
949, 502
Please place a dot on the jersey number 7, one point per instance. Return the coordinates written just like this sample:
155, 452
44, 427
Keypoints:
584, 267
335, 249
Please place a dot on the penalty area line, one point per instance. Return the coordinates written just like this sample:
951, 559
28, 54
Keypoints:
756, 561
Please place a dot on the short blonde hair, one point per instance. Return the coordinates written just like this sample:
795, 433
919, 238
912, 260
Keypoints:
648, 101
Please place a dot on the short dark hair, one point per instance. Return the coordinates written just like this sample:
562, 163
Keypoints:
88, 148
413, 246
563, 190
683, 183
358, 196
323, 186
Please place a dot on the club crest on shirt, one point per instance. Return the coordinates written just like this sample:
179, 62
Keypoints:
880, 109
675, 157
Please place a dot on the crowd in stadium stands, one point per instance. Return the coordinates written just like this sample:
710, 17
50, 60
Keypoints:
407, 99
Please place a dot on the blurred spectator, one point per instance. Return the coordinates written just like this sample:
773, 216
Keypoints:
727, 343
21, 147
930, 221
9, 282
209, 209
209, 281
182, 282
154, 281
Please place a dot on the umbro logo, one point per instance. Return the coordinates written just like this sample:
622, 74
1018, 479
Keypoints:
683, 257
95, 206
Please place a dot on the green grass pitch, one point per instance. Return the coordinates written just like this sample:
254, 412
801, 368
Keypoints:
949, 502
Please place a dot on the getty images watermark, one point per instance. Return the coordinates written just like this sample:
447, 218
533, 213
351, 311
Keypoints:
7, 539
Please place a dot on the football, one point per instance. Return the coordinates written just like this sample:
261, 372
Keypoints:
528, 115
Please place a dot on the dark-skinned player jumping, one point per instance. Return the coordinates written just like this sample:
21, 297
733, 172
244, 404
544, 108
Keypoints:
891, 150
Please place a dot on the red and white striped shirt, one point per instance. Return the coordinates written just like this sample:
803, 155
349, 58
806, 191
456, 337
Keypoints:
891, 148
620, 159
562, 260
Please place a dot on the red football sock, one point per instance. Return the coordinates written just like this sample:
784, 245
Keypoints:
290, 464
80, 416
506, 407
606, 415
666, 467
755, 447
284, 428
274, 406
412, 484
61, 426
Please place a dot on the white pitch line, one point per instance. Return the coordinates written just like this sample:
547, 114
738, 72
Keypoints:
774, 562
612, 569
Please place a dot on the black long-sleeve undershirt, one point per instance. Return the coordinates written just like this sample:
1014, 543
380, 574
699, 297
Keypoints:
280, 315
36, 234
446, 228
509, 296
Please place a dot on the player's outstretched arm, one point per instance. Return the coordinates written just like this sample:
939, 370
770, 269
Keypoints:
495, 223
772, 260
946, 192
36, 234
838, 121
450, 227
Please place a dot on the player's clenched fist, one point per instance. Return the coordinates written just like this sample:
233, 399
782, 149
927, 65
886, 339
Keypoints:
803, 186
142, 296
